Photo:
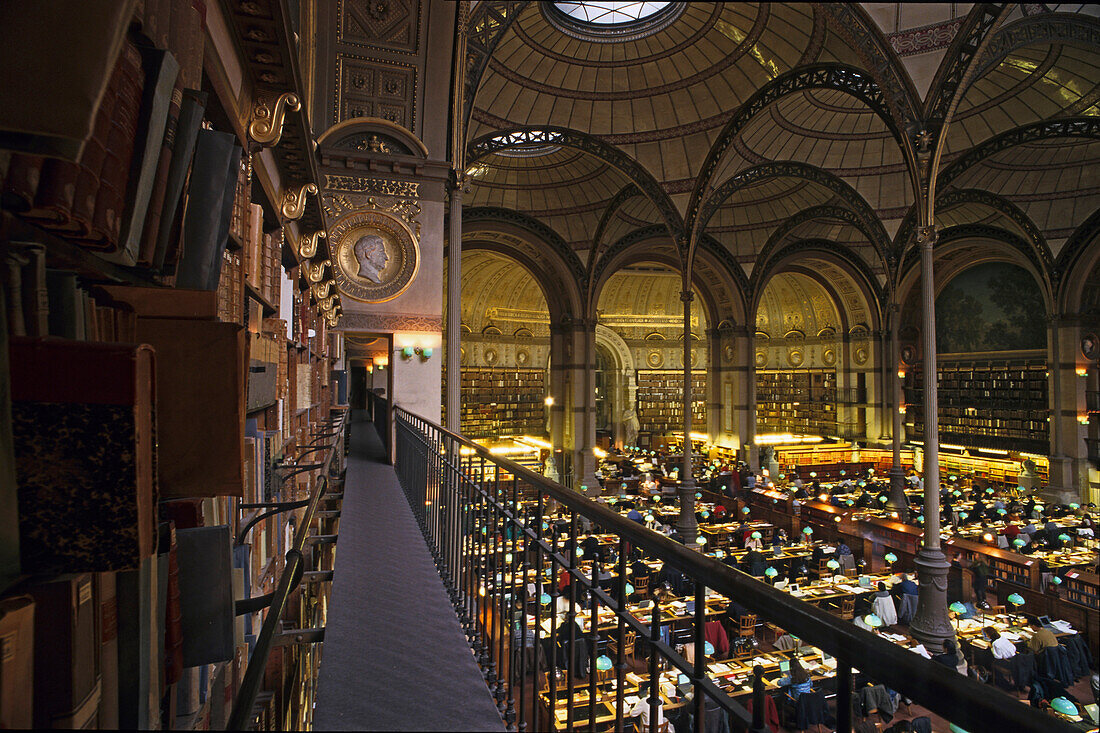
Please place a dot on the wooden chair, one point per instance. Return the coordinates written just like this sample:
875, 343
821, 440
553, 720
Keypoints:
823, 570
849, 572
848, 609
662, 728
747, 626
629, 639
774, 630
641, 586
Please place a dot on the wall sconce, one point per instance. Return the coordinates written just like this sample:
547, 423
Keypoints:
1082, 371
901, 374
424, 352
1083, 418
549, 401
901, 409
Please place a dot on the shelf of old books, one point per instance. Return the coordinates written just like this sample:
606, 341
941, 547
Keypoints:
150, 343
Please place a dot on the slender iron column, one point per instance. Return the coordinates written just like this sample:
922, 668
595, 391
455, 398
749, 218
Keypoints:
454, 312
897, 473
686, 524
931, 625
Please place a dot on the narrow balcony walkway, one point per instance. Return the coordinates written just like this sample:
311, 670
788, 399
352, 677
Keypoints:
395, 657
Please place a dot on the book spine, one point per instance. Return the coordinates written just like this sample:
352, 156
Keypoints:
107, 622
95, 152
62, 291
36, 299
161, 72
202, 224
111, 198
147, 250
187, 131
21, 182
53, 201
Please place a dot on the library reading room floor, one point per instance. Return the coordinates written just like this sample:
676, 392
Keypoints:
395, 656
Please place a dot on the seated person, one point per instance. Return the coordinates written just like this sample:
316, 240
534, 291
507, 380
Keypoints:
642, 710
754, 562
797, 681
907, 586
950, 656
1001, 646
883, 606
1042, 639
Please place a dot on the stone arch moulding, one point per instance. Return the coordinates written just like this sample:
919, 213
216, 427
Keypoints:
856, 82
1078, 260
372, 135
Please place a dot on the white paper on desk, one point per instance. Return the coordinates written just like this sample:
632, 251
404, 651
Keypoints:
919, 649
1063, 626
1010, 635
631, 701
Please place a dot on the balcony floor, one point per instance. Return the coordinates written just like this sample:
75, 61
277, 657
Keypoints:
395, 657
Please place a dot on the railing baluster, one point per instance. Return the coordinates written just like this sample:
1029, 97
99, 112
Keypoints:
654, 679
843, 694
620, 634
700, 656
571, 619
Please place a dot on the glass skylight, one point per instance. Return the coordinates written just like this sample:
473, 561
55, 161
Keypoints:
610, 13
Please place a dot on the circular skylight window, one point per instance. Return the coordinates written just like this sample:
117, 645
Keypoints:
611, 21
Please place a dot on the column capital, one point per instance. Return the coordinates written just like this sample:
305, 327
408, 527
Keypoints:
687, 295
927, 236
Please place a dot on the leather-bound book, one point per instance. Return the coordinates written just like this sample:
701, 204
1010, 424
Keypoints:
21, 182
111, 197
93, 157
9, 496
187, 132
66, 678
206, 594
147, 250
200, 380
53, 201
161, 70
63, 293
164, 302
107, 628
206, 222
138, 646
17, 662
186, 40
173, 625
82, 423
36, 299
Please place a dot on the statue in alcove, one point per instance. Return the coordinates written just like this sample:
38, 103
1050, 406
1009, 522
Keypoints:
631, 426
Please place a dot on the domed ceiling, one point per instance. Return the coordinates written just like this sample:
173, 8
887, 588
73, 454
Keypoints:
644, 104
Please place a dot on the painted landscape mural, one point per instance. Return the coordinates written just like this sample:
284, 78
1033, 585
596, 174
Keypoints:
994, 306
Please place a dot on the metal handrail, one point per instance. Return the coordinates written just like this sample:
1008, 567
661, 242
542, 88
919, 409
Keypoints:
957, 698
291, 577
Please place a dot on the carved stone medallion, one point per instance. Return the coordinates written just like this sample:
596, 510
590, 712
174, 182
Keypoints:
829, 357
376, 256
654, 359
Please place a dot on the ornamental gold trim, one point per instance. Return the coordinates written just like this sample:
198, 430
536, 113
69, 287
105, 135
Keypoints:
266, 126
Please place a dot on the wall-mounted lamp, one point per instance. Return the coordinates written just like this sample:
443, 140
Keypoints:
549, 401
1083, 418
901, 409
901, 374
424, 352
1082, 371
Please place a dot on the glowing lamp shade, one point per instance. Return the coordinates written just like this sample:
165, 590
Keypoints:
989, 491
920, 518
808, 530
649, 517
508, 558
1056, 580
957, 494
580, 552
1015, 599
698, 495
756, 535
872, 620
1074, 507
1064, 537
719, 554
603, 662
1002, 512
705, 515
882, 499
1018, 542
708, 648
744, 510
629, 589
952, 477
813, 474
1063, 706
956, 729
583, 488
963, 515
843, 473
957, 607
427, 352
701, 540
771, 572
850, 502
683, 679
407, 352
862, 483
544, 599
891, 558
832, 565
782, 476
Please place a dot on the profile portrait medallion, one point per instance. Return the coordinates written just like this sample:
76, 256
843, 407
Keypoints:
376, 256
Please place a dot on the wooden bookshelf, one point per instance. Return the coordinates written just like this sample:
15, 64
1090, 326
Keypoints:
503, 401
985, 403
796, 401
660, 400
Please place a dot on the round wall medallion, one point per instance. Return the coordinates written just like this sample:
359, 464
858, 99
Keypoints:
655, 359
375, 256
728, 353
795, 357
859, 356
522, 357
908, 354
1090, 346
829, 357
761, 358
490, 356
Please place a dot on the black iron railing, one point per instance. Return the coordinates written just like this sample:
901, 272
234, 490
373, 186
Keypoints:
240, 717
483, 519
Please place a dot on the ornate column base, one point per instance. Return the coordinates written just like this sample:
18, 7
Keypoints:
930, 625
897, 488
686, 524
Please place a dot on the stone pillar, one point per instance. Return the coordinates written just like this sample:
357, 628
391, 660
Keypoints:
686, 523
748, 440
454, 313
897, 473
715, 408
588, 416
556, 394
930, 625
1068, 479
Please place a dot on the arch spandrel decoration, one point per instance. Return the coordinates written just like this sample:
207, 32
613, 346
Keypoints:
1072, 257
1038, 243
